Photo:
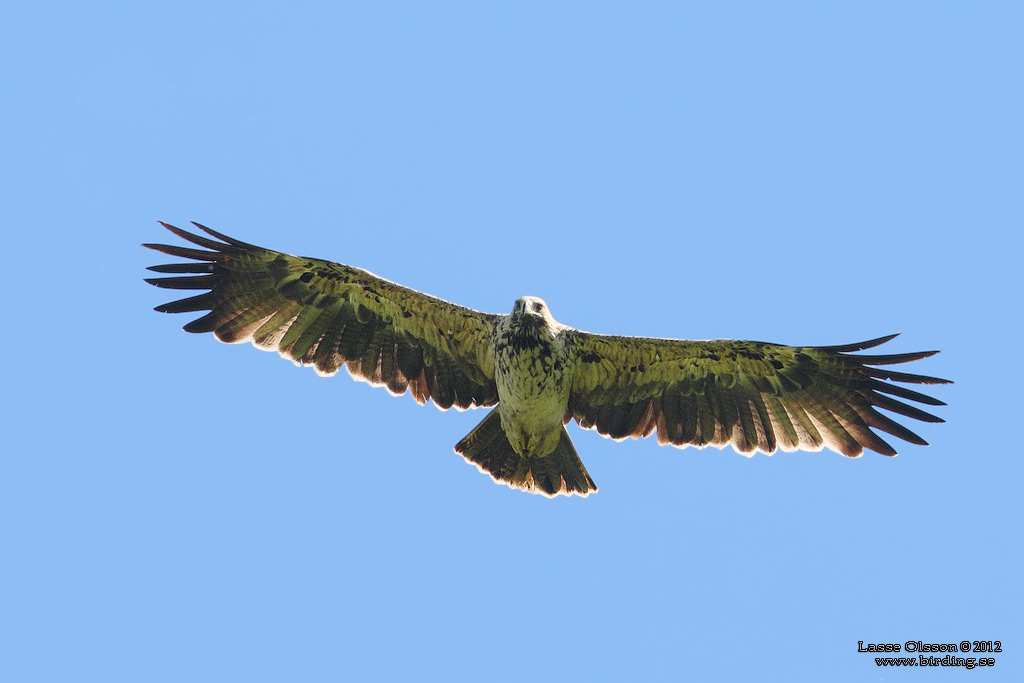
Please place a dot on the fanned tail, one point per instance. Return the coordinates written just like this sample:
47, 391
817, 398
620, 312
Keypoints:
561, 472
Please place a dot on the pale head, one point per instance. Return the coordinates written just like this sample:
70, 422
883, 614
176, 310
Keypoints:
535, 309
529, 305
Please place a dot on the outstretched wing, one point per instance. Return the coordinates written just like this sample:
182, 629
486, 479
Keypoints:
754, 395
327, 314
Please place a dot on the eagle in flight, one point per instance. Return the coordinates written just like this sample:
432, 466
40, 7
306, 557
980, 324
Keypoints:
539, 373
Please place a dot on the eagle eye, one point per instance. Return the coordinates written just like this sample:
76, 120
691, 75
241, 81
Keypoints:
537, 307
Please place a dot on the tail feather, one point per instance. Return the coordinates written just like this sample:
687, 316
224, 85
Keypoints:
560, 472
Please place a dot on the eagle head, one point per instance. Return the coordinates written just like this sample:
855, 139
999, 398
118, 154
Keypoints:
533, 309
530, 306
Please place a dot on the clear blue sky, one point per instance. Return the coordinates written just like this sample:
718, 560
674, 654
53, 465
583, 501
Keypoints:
175, 509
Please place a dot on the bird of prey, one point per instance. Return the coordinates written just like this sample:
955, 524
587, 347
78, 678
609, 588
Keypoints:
539, 373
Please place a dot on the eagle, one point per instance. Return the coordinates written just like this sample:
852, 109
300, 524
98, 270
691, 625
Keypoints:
538, 373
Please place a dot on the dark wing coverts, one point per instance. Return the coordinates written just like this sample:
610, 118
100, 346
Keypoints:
327, 314
756, 396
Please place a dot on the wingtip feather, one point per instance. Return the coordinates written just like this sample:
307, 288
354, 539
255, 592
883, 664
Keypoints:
221, 236
860, 346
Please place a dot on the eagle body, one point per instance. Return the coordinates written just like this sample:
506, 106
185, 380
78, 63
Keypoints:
541, 374
529, 370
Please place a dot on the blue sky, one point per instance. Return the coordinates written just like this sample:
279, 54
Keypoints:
172, 508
